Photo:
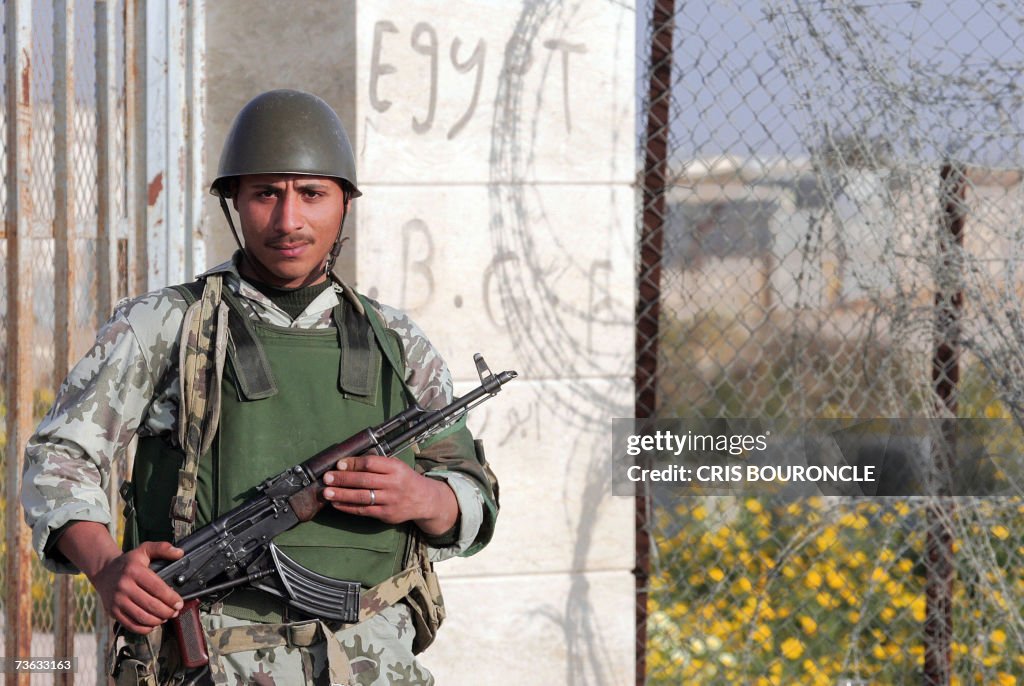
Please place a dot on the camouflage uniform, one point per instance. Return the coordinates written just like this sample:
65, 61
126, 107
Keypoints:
128, 385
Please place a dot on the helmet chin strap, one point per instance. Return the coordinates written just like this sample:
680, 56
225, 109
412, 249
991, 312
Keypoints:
336, 248
227, 215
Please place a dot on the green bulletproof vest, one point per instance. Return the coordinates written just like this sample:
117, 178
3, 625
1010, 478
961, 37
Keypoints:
283, 400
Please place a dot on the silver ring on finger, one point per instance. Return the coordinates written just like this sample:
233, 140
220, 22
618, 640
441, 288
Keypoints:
373, 497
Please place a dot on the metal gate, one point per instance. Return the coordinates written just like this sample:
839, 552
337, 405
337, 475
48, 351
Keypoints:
101, 144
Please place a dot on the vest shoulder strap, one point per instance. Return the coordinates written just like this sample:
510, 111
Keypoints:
191, 291
252, 369
360, 365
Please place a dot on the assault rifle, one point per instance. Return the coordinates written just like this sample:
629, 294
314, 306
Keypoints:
237, 548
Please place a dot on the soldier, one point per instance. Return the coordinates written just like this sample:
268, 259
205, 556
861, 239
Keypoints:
260, 363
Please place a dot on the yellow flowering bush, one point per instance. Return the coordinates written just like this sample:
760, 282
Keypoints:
809, 592
768, 592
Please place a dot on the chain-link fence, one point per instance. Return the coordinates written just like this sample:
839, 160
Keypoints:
831, 227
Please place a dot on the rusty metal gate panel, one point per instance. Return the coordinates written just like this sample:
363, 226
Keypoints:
101, 124
18, 220
174, 116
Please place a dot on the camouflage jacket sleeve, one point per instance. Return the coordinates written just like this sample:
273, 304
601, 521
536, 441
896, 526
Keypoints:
452, 455
115, 391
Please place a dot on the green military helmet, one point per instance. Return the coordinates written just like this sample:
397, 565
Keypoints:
286, 132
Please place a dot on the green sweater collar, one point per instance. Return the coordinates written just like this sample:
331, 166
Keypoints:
292, 300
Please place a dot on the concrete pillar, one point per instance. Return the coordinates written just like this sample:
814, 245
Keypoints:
496, 150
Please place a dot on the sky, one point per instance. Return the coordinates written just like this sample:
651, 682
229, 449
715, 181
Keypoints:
774, 78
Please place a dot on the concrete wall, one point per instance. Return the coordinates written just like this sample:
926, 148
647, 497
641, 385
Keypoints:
495, 145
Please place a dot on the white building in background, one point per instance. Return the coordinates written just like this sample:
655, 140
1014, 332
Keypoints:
756, 237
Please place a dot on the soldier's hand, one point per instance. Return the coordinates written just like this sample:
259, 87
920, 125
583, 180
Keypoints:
390, 490
133, 593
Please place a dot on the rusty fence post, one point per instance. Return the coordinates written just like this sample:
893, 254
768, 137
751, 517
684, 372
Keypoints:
649, 285
135, 134
195, 104
949, 302
106, 156
19, 219
65, 270
108, 268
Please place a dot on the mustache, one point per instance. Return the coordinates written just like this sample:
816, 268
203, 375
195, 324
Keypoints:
289, 242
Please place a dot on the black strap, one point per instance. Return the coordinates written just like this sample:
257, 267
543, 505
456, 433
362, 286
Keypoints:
252, 368
191, 291
360, 358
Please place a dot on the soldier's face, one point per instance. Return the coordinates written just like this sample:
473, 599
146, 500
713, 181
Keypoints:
289, 223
